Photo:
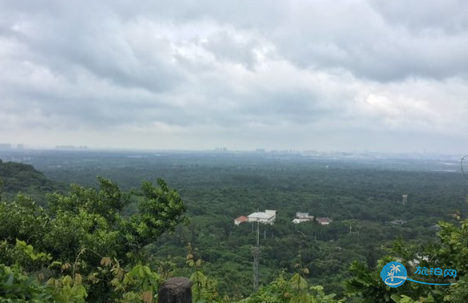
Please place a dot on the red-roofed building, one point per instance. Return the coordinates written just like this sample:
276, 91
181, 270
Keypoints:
240, 220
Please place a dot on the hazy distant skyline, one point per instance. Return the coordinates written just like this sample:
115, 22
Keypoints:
319, 75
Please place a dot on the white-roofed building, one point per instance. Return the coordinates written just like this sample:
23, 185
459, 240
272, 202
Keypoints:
266, 217
302, 217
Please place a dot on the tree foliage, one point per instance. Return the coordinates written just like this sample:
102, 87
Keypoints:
81, 228
449, 252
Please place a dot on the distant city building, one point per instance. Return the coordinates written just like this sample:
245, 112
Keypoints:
5, 146
310, 152
405, 199
260, 150
65, 147
324, 221
266, 217
302, 217
20, 146
71, 147
240, 220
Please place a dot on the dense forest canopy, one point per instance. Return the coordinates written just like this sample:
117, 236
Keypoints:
120, 222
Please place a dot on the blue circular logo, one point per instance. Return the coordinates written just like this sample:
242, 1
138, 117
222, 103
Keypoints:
394, 274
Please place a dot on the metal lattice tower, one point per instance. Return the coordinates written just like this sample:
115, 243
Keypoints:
256, 256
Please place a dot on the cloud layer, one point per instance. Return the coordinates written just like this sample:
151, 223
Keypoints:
349, 75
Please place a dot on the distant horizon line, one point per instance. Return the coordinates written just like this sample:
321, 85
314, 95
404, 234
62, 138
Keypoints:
85, 148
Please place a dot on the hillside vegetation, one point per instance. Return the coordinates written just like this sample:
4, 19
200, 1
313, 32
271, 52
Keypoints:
18, 177
104, 244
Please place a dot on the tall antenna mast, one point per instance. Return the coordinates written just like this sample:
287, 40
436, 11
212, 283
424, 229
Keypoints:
256, 255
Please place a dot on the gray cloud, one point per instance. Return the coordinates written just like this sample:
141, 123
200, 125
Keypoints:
448, 16
312, 75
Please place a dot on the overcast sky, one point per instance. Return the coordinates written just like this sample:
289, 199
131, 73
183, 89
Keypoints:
349, 75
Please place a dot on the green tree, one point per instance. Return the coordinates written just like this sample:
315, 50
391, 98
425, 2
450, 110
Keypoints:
1, 188
84, 226
449, 252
